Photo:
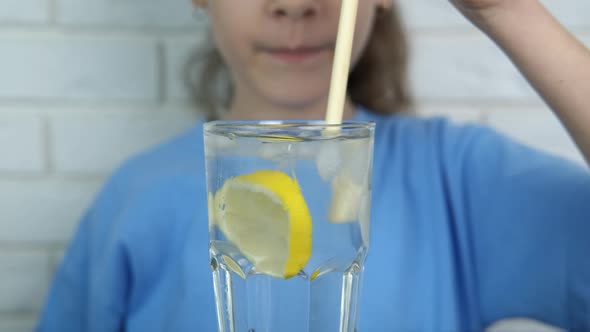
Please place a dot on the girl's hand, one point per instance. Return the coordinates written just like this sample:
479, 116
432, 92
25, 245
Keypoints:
479, 10
554, 62
476, 5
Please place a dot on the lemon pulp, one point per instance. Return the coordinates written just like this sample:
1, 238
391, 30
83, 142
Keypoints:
264, 214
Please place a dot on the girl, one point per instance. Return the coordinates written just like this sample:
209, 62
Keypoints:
468, 227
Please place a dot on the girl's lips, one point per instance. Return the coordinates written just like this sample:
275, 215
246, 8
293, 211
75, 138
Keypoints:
296, 55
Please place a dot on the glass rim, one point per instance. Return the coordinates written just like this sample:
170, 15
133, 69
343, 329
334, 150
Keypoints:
314, 125
289, 130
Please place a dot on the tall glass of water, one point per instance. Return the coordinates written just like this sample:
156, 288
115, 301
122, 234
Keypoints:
289, 212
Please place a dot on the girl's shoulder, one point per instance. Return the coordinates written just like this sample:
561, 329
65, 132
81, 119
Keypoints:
475, 147
413, 132
164, 175
179, 156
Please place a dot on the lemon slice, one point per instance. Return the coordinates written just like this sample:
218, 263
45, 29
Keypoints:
265, 216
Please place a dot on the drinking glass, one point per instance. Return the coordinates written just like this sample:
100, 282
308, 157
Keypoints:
289, 210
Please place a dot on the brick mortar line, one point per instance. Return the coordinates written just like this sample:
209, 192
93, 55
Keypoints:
24, 25
57, 177
36, 30
52, 4
49, 103
18, 315
47, 145
161, 71
48, 249
454, 31
51, 108
18, 176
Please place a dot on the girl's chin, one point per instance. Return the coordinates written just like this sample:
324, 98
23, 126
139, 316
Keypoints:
300, 104
299, 100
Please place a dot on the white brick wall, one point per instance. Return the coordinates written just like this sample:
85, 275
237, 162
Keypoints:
21, 144
96, 135
15, 322
439, 14
23, 279
75, 68
24, 11
476, 68
86, 83
39, 212
129, 13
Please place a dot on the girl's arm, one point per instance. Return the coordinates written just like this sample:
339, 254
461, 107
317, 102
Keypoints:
555, 63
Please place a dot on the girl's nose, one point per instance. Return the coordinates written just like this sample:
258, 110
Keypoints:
294, 9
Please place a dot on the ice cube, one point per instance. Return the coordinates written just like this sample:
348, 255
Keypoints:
275, 151
346, 199
306, 150
350, 185
356, 160
328, 160
218, 144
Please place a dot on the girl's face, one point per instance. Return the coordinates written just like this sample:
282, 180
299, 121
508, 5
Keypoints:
282, 50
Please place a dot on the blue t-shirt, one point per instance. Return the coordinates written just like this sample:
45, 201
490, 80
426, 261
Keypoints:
467, 228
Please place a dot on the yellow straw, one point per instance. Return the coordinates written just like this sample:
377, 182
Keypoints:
341, 66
